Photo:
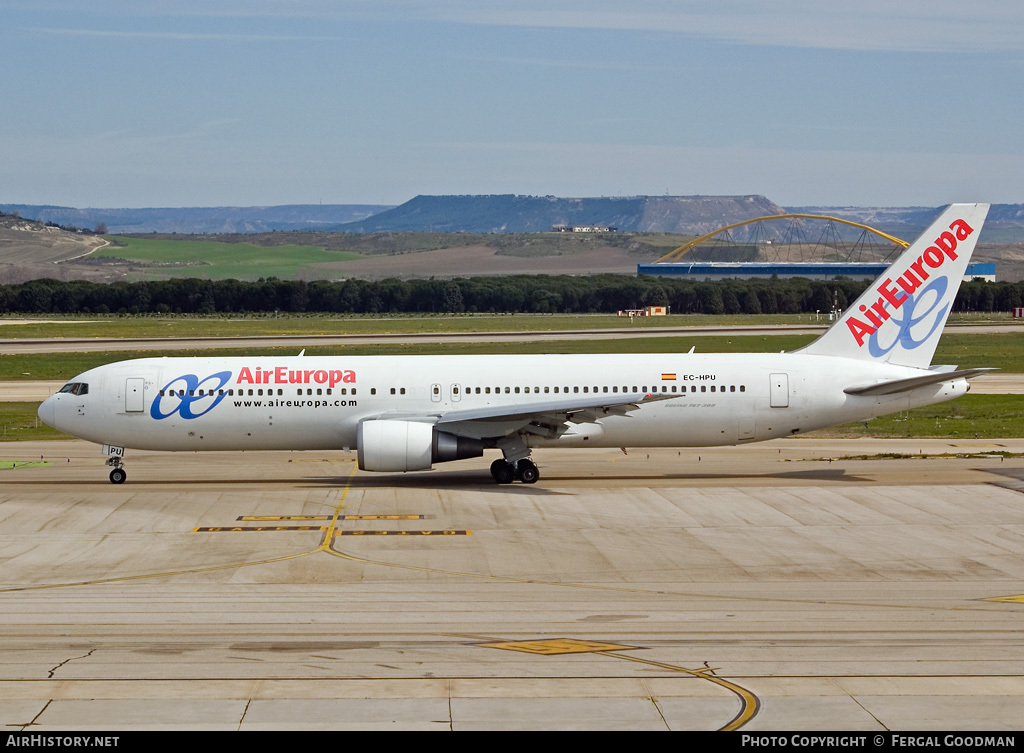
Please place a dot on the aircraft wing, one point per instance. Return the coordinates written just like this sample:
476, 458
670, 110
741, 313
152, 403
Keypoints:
548, 418
911, 383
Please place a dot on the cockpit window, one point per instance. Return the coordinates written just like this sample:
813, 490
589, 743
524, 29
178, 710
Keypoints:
76, 388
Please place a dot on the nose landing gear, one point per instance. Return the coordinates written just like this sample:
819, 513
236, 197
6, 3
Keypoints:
115, 457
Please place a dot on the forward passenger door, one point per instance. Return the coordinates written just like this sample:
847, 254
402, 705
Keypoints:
134, 391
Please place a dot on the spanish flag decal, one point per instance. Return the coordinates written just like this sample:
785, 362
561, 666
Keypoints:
668, 377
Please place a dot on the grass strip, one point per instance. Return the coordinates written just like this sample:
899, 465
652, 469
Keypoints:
967, 417
19, 422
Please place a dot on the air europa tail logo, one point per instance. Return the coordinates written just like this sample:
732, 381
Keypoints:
897, 294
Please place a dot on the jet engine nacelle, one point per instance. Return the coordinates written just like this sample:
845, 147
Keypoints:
387, 445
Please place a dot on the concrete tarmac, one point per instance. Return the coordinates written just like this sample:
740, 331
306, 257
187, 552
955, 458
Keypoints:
781, 586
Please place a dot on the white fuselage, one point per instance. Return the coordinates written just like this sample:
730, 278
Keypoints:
306, 403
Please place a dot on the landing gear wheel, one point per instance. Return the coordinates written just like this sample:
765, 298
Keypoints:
117, 476
527, 472
502, 471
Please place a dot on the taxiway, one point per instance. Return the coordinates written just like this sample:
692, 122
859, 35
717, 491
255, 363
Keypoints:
785, 585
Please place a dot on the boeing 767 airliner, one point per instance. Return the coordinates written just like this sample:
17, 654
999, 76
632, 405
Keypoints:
406, 413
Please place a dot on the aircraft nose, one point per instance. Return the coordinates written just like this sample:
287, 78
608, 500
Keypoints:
47, 410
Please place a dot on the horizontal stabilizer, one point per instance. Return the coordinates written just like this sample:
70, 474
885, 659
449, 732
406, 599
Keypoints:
912, 383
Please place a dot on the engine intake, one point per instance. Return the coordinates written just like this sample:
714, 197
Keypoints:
389, 445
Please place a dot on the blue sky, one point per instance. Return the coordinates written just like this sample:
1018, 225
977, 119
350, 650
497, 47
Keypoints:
127, 103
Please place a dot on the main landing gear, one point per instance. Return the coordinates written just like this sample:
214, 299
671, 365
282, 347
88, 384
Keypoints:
505, 472
514, 462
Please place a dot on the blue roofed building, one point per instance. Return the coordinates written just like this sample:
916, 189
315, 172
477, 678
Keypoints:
707, 270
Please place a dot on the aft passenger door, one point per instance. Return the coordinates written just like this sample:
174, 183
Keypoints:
779, 391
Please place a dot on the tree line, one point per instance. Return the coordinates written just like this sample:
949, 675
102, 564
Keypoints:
511, 294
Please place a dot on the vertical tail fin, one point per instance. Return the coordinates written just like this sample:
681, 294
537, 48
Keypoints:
900, 317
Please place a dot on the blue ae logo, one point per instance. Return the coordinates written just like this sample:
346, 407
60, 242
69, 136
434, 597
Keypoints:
188, 397
927, 305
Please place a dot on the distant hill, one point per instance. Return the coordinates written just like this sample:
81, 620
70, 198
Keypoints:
29, 250
502, 213
200, 219
508, 213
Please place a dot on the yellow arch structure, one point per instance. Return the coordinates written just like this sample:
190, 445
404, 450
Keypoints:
677, 254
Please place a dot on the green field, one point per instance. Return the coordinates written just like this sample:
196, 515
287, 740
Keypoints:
65, 365
225, 325
107, 325
217, 261
1001, 351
